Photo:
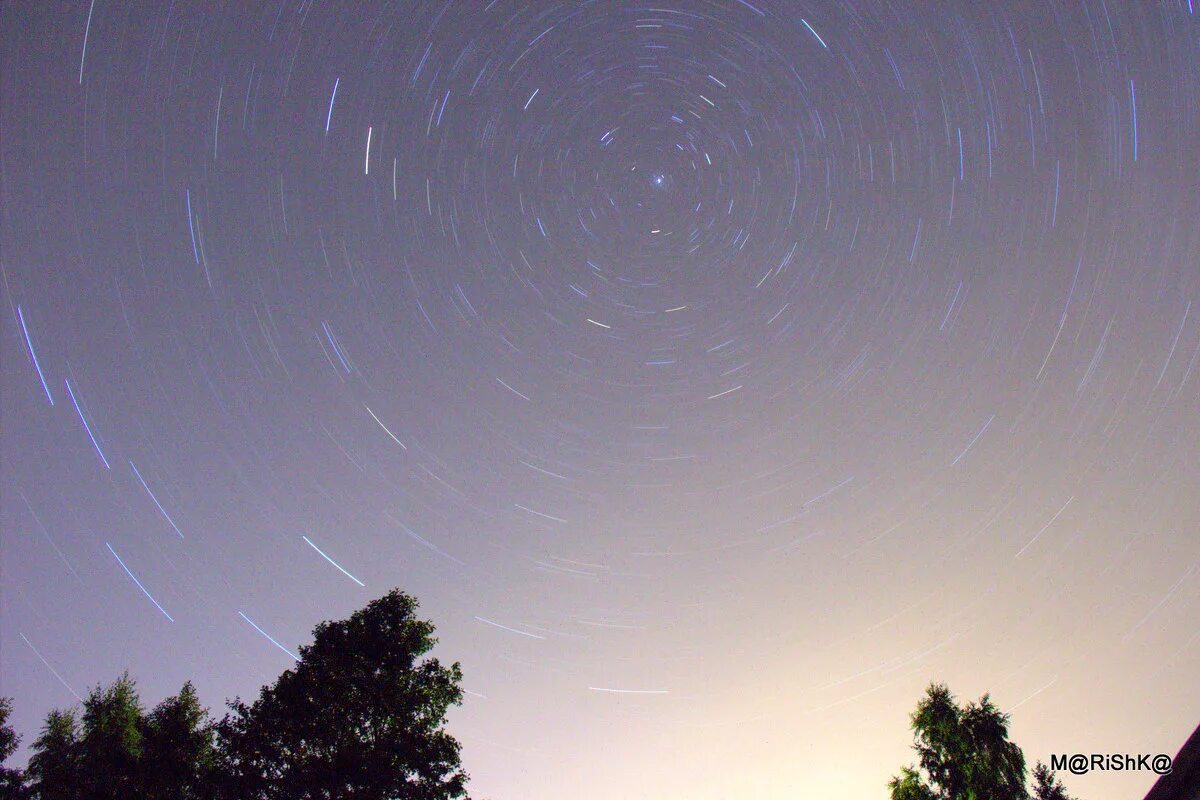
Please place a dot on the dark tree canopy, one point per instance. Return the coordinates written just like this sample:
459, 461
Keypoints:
54, 766
1046, 786
10, 779
116, 750
110, 748
359, 716
179, 755
964, 753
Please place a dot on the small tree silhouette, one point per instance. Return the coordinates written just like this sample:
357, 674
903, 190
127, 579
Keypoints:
964, 753
11, 780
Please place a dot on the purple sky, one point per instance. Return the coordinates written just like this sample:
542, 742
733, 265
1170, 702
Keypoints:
716, 374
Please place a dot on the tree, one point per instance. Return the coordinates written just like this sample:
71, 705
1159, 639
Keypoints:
178, 749
964, 753
119, 751
110, 749
360, 717
54, 766
11, 780
1046, 786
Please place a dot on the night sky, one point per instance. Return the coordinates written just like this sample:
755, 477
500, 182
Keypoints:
716, 374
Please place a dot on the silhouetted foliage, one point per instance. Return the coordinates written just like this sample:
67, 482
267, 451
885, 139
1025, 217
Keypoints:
964, 753
360, 716
11, 780
54, 766
1046, 786
179, 755
110, 748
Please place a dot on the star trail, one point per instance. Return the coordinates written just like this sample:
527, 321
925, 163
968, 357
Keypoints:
717, 374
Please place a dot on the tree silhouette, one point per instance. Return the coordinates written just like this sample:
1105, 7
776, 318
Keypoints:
54, 765
359, 717
964, 753
110, 748
120, 751
179, 755
11, 780
1046, 786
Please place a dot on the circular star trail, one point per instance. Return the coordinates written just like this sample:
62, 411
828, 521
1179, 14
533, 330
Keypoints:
717, 374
